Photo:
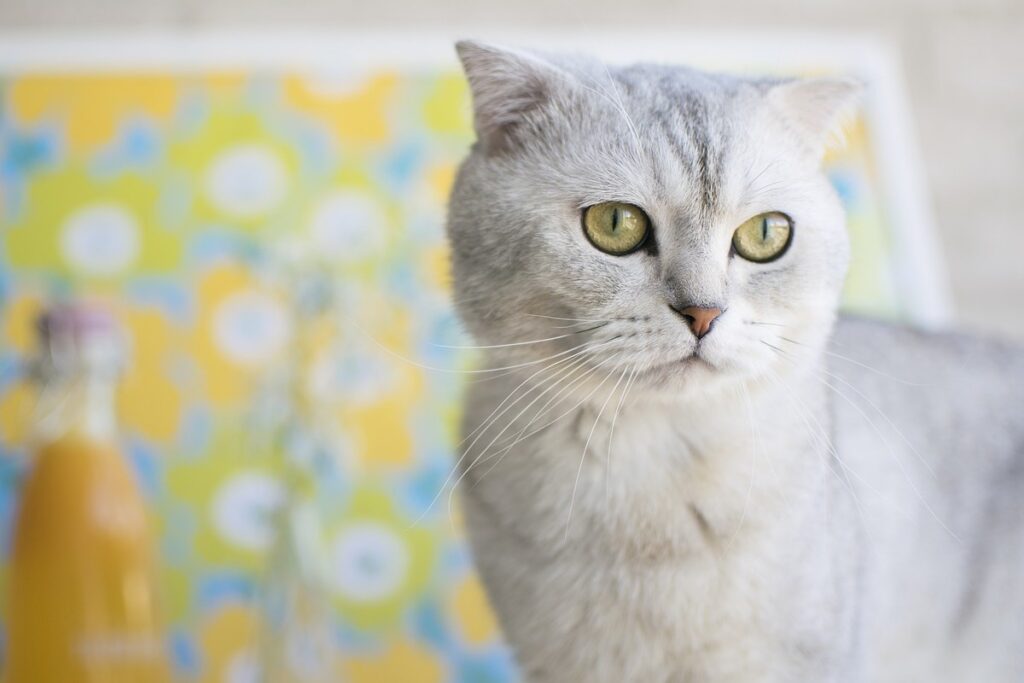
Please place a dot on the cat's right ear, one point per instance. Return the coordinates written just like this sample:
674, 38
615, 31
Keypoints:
506, 86
818, 108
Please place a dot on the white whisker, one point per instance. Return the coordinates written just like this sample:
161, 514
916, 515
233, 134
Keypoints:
543, 411
820, 438
878, 410
858, 363
753, 468
888, 446
519, 343
625, 114
573, 360
586, 447
581, 320
899, 461
480, 456
611, 432
482, 371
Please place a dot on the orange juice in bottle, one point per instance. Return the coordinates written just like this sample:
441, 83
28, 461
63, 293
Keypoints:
81, 592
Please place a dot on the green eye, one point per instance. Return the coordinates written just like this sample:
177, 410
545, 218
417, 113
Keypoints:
763, 238
616, 228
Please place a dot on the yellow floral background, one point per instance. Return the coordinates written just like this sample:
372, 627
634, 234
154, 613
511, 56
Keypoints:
170, 197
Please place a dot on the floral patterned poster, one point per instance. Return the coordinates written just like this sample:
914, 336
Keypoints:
172, 195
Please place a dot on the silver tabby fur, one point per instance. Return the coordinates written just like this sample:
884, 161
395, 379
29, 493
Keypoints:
798, 496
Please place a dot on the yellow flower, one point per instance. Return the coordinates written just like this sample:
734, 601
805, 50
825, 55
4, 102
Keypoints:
242, 327
379, 425
473, 613
357, 116
99, 230
401, 662
150, 403
242, 173
92, 107
447, 108
379, 562
228, 641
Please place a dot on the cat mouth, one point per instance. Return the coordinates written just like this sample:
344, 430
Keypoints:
695, 359
686, 363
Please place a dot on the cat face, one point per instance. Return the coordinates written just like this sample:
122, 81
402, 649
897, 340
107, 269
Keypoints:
656, 221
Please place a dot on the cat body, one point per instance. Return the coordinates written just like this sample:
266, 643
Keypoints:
677, 467
716, 551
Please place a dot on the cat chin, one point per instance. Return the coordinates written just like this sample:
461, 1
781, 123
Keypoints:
689, 377
706, 377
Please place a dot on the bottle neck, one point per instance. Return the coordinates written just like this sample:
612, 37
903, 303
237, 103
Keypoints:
80, 402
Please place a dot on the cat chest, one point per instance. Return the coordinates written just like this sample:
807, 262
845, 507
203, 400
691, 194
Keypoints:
685, 616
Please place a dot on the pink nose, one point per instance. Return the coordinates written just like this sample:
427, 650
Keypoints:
700, 319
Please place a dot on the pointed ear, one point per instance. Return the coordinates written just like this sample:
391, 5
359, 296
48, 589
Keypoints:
818, 108
506, 85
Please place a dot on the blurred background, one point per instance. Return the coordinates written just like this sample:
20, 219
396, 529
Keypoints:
254, 194
961, 60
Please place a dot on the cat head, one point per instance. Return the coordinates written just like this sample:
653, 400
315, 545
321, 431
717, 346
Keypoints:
661, 221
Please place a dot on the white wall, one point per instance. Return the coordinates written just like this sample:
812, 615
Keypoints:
964, 64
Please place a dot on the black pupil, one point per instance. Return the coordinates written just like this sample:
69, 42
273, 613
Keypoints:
764, 229
616, 214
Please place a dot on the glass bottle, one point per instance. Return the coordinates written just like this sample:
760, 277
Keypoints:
295, 643
82, 604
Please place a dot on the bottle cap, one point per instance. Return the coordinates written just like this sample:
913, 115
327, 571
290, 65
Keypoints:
80, 336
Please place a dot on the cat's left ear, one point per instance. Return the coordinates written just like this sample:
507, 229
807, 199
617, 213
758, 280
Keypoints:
506, 86
818, 108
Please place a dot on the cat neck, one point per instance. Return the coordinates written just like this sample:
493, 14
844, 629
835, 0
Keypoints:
729, 414
700, 474
659, 462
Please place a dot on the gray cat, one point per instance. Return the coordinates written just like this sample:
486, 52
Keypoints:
680, 465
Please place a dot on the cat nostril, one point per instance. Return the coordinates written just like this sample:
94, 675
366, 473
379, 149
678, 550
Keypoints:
699, 318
